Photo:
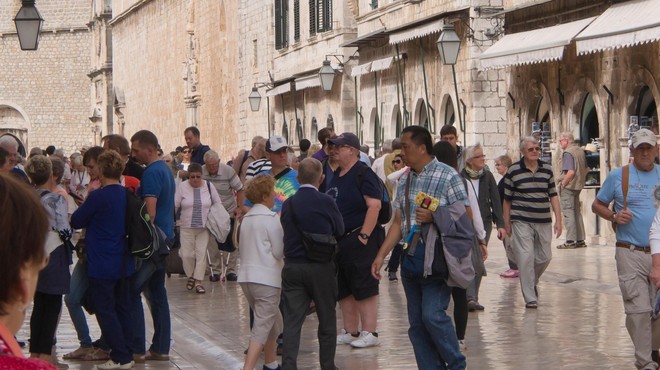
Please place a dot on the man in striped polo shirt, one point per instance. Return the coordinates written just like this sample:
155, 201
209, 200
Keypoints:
529, 191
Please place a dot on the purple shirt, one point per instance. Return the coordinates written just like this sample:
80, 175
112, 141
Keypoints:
320, 155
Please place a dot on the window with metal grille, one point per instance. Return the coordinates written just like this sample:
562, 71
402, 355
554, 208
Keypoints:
374, 4
281, 24
296, 20
320, 16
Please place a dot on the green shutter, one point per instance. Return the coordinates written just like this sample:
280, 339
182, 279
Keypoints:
312, 17
278, 25
327, 15
296, 20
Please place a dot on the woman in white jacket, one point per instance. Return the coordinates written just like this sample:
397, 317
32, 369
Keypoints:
260, 273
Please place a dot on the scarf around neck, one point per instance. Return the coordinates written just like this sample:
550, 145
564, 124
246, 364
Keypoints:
474, 174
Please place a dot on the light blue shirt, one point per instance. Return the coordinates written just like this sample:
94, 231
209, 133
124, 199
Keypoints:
643, 200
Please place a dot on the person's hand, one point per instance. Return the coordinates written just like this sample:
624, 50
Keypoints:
238, 214
558, 228
623, 217
423, 216
501, 233
484, 251
375, 268
655, 276
363, 241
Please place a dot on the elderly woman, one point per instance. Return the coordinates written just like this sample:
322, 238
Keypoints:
502, 164
108, 264
482, 182
22, 256
260, 273
358, 192
194, 198
54, 279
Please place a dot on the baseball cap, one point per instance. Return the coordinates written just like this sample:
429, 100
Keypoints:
644, 136
276, 143
347, 138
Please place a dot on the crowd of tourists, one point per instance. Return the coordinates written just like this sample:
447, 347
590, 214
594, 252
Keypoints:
249, 221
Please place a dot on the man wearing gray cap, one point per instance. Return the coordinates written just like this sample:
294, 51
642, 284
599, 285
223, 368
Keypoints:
630, 188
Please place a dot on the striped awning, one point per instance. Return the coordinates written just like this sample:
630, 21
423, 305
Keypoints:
307, 82
622, 25
530, 47
416, 32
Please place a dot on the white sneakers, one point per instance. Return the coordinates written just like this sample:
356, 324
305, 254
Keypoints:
365, 340
344, 337
114, 365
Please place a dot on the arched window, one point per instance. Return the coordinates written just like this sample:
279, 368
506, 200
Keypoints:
330, 122
589, 128
299, 130
450, 116
647, 110
422, 116
397, 121
285, 132
315, 130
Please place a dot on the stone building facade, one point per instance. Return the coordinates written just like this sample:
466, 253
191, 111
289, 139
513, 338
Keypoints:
596, 75
175, 64
45, 94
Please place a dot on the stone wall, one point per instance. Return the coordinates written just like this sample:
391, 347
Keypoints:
49, 87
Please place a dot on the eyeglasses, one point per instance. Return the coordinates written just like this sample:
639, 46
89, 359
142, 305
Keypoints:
479, 156
396, 161
195, 176
534, 149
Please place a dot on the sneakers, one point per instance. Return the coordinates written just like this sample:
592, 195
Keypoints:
114, 365
232, 276
580, 244
345, 338
78, 354
510, 273
474, 306
392, 276
279, 367
366, 340
462, 346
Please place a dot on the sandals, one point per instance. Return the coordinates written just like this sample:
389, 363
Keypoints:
199, 289
78, 354
191, 283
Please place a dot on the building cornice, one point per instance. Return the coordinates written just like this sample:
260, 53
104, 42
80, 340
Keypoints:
126, 13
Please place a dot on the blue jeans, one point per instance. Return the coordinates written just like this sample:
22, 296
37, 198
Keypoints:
111, 300
79, 286
150, 280
431, 331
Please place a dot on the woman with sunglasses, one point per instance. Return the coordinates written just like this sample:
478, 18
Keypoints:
393, 179
194, 199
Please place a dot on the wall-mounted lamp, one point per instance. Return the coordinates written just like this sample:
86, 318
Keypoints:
449, 44
327, 71
255, 98
28, 25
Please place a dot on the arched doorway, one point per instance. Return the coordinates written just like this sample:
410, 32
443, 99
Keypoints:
13, 121
315, 130
397, 121
299, 130
450, 116
422, 114
374, 125
542, 129
330, 122
589, 134
285, 132
647, 110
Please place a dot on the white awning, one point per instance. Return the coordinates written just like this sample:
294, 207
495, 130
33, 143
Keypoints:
381, 64
416, 32
281, 89
622, 25
537, 46
360, 70
307, 82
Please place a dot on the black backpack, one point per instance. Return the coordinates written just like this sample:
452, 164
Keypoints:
385, 213
140, 232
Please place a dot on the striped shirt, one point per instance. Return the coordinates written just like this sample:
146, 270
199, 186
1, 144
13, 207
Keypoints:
257, 167
529, 192
437, 180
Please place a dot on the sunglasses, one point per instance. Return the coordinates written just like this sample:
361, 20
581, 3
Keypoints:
195, 176
186, 151
396, 161
534, 149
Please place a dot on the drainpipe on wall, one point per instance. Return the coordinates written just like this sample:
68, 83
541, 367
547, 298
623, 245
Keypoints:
401, 80
377, 122
268, 112
426, 89
357, 112
610, 99
283, 113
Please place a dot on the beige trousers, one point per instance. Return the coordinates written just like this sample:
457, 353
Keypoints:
193, 251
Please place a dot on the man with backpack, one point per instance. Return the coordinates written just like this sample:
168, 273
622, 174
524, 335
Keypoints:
358, 192
245, 157
431, 332
157, 190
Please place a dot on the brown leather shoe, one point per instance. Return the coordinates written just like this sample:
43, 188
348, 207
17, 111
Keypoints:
155, 356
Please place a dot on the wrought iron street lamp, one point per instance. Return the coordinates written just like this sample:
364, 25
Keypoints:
255, 99
327, 76
449, 44
28, 25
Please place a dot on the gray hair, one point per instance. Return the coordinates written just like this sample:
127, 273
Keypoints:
211, 154
257, 139
387, 146
309, 171
8, 141
396, 144
469, 151
567, 135
59, 153
527, 139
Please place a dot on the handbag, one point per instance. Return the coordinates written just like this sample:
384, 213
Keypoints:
319, 248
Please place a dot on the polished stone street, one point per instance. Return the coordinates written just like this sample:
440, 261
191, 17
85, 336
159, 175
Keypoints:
579, 323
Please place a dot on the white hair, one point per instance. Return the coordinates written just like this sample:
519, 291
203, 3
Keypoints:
527, 139
211, 154
469, 151
7, 141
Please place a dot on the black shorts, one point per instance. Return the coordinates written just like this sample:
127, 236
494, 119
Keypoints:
354, 261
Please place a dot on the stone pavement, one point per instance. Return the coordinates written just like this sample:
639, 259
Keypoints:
579, 323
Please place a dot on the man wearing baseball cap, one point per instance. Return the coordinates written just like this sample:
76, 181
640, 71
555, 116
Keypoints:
633, 214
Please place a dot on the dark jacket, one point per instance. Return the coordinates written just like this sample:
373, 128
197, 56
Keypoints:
133, 169
490, 204
315, 213
197, 155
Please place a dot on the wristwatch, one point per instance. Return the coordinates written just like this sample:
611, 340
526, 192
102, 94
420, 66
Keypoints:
364, 236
